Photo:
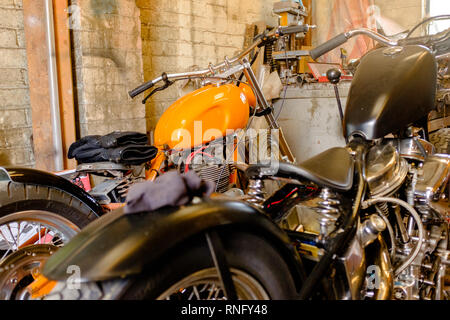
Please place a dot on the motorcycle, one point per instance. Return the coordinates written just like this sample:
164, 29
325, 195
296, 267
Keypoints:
202, 130
374, 221
40, 212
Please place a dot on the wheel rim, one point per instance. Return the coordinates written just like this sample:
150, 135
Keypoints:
27, 239
20, 268
206, 285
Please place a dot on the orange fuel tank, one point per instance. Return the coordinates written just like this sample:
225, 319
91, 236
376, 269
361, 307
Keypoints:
204, 115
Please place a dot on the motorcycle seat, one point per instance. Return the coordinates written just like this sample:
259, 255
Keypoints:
332, 168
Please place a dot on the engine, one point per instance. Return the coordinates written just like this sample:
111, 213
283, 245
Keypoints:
385, 170
209, 162
431, 190
410, 191
403, 223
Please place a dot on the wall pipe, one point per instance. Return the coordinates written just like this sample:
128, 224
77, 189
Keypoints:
53, 86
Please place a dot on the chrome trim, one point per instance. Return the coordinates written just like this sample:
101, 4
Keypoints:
434, 174
371, 34
354, 262
385, 170
386, 285
408, 148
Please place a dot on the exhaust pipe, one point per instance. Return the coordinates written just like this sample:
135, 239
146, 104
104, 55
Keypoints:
385, 286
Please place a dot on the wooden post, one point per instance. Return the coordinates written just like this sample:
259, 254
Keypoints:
38, 74
308, 38
65, 78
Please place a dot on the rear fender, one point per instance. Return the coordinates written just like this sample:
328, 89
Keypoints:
124, 245
43, 178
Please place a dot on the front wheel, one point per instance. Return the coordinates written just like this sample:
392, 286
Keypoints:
258, 271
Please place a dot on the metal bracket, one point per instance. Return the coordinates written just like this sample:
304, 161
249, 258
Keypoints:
101, 191
232, 70
220, 263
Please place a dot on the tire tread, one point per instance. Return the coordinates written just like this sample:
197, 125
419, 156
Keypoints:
14, 196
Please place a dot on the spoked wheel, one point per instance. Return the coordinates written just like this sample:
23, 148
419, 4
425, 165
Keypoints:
206, 285
187, 272
27, 240
258, 271
19, 269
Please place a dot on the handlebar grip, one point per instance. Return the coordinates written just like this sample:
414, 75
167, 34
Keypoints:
294, 29
328, 46
133, 93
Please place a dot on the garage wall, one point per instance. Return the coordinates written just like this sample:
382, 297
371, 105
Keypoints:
405, 13
178, 34
118, 44
15, 110
108, 62
393, 16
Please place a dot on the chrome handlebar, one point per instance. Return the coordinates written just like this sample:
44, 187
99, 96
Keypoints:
227, 63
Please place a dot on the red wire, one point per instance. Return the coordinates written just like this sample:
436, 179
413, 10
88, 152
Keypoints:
276, 202
193, 154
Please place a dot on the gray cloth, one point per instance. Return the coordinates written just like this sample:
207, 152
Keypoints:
170, 189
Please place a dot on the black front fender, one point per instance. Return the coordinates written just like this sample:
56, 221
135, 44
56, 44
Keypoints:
43, 178
118, 245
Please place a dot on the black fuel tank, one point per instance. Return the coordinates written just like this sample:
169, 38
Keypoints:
392, 88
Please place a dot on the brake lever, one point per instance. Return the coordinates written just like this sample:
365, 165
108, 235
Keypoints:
167, 83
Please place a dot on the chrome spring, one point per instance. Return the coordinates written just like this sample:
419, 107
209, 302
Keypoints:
255, 191
383, 206
327, 209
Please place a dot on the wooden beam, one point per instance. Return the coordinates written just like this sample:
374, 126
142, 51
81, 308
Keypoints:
437, 124
65, 78
308, 38
38, 75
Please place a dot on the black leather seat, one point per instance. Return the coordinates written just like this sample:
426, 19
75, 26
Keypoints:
332, 168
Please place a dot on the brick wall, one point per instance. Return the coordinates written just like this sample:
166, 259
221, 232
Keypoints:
15, 110
178, 34
108, 63
119, 44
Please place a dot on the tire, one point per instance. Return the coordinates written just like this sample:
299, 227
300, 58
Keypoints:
246, 254
29, 214
441, 140
15, 197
